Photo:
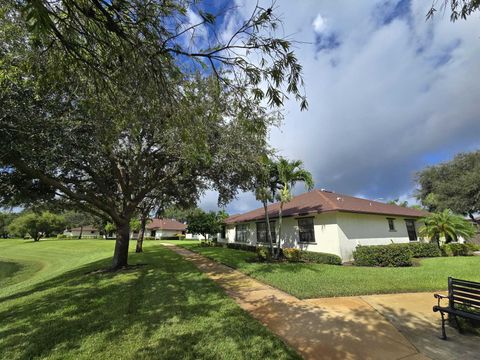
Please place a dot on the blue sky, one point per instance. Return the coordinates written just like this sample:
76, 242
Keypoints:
389, 93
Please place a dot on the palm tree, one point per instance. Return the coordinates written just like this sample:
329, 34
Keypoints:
289, 173
264, 184
446, 225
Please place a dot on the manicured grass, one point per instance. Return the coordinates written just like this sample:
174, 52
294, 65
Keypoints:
55, 308
318, 280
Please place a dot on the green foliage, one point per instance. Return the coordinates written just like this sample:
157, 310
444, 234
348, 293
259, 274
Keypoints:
320, 258
110, 228
456, 249
61, 236
423, 250
473, 247
135, 224
244, 247
118, 108
446, 226
392, 255
458, 9
291, 254
5, 219
452, 185
205, 223
37, 225
263, 253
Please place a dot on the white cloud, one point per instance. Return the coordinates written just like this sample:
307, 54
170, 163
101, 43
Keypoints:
384, 100
319, 24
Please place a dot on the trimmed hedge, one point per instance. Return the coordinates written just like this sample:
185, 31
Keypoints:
421, 250
456, 249
263, 253
320, 258
394, 255
245, 247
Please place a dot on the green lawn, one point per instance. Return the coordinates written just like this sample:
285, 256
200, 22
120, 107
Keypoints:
318, 280
51, 307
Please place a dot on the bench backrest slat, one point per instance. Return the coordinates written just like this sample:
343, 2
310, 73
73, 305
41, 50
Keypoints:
463, 292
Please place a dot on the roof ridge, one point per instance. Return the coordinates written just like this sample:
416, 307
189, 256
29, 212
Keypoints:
335, 206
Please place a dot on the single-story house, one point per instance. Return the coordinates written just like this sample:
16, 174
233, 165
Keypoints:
325, 221
163, 228
87, 231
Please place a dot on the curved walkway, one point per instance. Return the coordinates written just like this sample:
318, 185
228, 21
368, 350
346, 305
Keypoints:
397, 326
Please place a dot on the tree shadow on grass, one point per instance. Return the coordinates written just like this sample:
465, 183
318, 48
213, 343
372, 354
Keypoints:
165, 310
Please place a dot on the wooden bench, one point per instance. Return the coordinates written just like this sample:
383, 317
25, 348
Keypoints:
463, 301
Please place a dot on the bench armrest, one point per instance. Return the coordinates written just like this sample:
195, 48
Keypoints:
439, 297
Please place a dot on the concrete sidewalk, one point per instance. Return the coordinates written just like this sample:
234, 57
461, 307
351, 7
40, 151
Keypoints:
331, 328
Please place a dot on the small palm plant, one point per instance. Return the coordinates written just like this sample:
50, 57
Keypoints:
446, 226
289, 173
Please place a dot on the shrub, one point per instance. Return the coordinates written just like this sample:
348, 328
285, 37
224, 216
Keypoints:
245, 247
421, 250
320, 258
383, 255
61, 236
263, 253
456, 249
148, 238
473, 247
291, 254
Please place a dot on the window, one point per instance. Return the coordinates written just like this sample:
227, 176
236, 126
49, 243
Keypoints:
223, 234
412, 233
152, 233
391, 224
262, 232
306, 230
241, 233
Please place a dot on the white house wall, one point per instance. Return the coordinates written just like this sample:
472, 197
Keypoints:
335, 233
364, 229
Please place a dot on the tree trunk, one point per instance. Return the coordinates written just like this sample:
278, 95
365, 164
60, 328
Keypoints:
120, 255
269, 232
141, 234
81, 232
279, 230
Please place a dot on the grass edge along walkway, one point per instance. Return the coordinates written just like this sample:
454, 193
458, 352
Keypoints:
354, 330
307, 281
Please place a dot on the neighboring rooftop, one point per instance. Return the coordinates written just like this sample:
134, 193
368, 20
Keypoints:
85, 228
322, 201
166, 224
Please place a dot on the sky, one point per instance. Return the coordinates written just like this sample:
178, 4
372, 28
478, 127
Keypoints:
389, 93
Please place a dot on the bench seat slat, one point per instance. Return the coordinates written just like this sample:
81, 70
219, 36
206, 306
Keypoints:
466, 295
469, 284
468, 302
466, 289
461, 313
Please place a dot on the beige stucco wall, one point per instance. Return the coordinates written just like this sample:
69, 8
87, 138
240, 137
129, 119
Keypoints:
364, 229
336, 233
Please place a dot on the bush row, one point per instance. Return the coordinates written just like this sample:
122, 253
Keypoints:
456, 249
383, 255
296, 255
421, 250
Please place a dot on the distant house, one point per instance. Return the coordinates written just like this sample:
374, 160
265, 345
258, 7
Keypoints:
326, 221
164, 228
88, 232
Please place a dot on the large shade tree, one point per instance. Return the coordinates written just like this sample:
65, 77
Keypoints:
103, 103
452, 185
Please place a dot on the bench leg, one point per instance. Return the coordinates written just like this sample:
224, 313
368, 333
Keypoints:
458, 325
444, 334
